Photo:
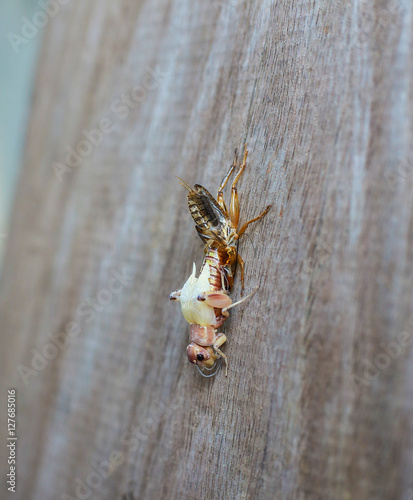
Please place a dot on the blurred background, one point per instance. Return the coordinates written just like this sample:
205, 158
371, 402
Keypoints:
18, 64
95, 234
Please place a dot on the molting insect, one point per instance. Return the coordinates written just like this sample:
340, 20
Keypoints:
204, 300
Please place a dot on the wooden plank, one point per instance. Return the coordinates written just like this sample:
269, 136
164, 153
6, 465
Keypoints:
318, 402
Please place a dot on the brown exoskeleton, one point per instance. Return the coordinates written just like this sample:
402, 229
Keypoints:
204, 300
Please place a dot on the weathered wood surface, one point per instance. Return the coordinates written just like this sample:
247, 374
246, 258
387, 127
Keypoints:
322, 91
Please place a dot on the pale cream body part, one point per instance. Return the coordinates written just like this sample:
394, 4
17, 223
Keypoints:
194, 310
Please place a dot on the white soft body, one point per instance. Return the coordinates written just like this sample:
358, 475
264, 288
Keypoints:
194, 310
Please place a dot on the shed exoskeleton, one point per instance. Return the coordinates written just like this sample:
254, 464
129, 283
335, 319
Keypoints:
204, 300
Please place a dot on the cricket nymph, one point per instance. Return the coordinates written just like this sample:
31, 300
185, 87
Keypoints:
204, 300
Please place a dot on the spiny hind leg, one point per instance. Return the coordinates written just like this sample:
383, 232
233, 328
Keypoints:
220, 197
230, 171
244, 226
241, 168
234, 207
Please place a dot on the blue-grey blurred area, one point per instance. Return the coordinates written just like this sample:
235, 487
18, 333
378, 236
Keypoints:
19, 45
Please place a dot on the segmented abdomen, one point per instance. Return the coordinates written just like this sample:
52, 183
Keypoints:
220, 274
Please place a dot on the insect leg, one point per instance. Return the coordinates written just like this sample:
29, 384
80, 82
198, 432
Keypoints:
241, 168
220, 197
234, 207
223, 280
244, 227
240, 301
221, 339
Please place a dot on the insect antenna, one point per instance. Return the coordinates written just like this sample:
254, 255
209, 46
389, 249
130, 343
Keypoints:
209, 369
249, 237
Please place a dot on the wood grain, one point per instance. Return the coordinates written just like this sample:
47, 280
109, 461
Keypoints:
318, 402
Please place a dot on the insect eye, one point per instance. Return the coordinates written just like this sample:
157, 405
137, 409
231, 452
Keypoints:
200, 357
